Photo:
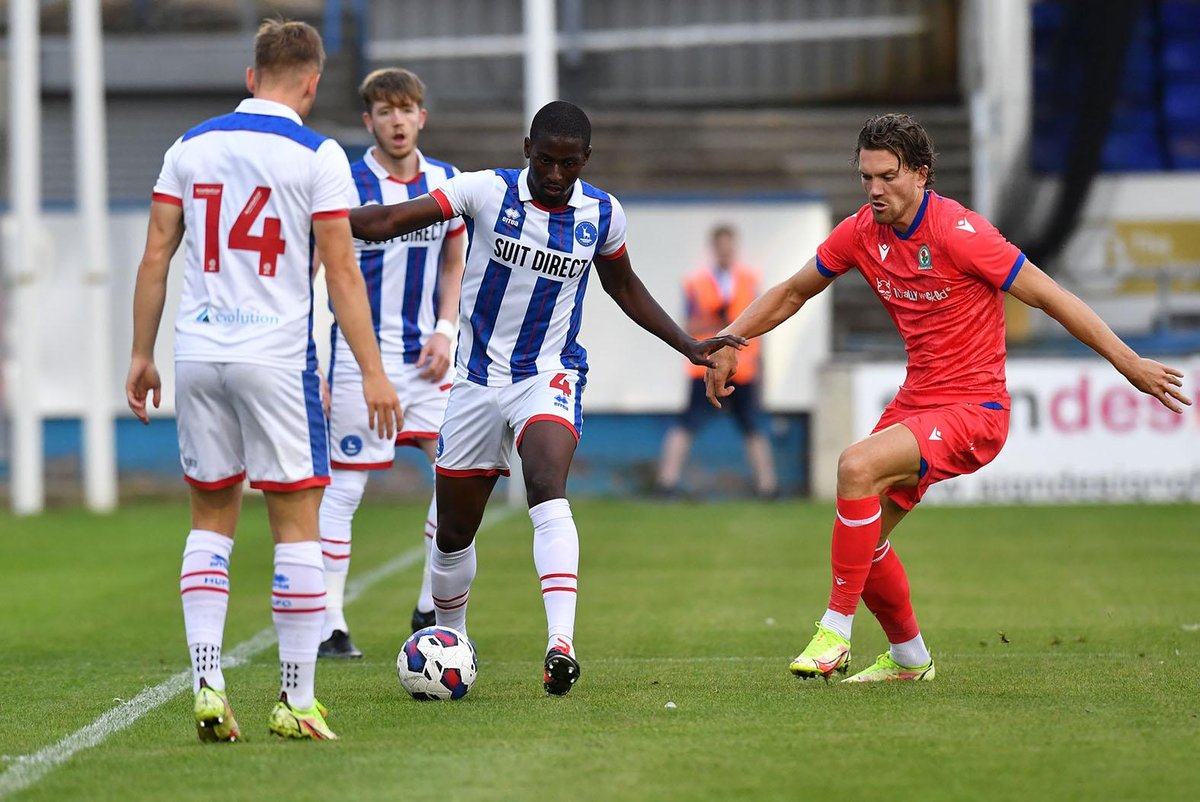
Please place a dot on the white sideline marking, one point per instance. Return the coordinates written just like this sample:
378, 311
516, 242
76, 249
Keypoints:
26, 770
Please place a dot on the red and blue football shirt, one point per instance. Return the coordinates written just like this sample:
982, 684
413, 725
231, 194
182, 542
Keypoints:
942, 281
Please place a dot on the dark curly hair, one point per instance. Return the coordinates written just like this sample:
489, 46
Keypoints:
901, 135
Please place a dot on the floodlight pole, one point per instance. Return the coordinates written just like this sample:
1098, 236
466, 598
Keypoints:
541, 55
91, 174
997, 66
541, 87
25, 161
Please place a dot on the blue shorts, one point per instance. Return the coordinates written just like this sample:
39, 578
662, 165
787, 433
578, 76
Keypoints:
744, 404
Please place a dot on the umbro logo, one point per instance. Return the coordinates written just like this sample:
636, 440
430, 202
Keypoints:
935, 435
883, 251
964, 225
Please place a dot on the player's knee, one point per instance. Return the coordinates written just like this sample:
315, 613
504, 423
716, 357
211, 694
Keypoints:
543, 486
857, 475
345, 491
452, 537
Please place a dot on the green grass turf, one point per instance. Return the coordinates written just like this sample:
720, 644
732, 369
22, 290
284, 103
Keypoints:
1093, 691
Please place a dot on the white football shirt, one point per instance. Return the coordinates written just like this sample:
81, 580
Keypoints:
401, 273
250, 184
526, 273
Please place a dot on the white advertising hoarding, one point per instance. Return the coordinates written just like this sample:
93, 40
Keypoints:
1078, 432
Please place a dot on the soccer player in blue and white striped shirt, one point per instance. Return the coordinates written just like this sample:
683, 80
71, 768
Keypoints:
535, 236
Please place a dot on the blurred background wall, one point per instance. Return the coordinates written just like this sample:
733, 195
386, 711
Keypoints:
1075, 126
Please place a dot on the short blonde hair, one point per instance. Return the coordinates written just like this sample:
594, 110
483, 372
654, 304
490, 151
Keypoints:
281, 46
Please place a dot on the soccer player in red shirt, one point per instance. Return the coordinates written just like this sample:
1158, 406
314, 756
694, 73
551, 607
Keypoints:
941, 271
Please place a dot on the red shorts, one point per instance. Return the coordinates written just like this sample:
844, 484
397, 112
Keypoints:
955, 439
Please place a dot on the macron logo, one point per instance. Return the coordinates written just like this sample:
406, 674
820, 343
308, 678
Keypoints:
964, 225
839, 580
883, 252
936, 435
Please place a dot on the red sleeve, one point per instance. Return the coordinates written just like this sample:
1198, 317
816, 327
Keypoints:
444, 202
332, 214
608, 257
162, 197
978, 249
837, 254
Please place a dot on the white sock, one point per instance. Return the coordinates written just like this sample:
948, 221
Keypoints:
335, 594
338, 505
204, 590
838, 622
425, 598
451, 576
298, 610
911, 653
556, 557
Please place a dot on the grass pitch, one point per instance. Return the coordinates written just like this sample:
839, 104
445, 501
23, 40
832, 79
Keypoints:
1067, 643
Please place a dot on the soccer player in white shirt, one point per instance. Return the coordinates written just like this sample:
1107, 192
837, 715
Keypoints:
413, 284
535, 235
245, 192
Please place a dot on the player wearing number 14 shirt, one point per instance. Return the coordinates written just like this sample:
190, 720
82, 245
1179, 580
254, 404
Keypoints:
246, 194
535, 234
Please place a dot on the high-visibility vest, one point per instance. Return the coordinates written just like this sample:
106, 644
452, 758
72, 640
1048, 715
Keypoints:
708, 313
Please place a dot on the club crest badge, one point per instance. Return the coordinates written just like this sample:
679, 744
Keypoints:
924, 262
585, 234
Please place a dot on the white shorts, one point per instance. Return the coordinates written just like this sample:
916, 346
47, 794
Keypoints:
356, 446
481, 421
237, 420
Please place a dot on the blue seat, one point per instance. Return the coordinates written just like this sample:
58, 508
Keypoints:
1181, 102
1138, 151
1180, 16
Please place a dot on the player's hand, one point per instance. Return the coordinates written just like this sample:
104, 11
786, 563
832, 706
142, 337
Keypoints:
143, 380
384, 414
326, 398
434, 357
699, 351
1160, 381
716, 378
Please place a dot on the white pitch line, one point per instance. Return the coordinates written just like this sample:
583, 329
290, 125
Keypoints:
29, 769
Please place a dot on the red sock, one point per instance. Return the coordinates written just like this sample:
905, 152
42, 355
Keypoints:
886, 595
855, 533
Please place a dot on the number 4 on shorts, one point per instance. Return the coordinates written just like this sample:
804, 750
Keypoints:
559, 382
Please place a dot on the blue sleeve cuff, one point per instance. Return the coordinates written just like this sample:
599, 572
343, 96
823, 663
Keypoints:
1012, 274
825, 271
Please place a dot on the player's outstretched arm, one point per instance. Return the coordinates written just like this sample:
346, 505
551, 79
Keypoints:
149, 295
348, 294
377, 223
766, 312
1034, 288
435, 355
623, 285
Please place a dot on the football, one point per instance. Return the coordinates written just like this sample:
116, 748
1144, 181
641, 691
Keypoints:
436, 663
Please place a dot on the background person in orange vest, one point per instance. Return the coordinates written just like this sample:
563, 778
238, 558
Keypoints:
714, 295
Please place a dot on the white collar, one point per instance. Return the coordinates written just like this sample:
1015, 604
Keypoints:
525, 194
382, 173
257, 105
